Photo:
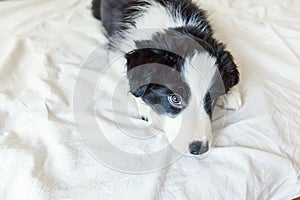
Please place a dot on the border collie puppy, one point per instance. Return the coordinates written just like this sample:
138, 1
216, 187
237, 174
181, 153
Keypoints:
174, 65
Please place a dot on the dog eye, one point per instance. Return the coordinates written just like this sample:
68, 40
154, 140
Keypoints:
175, 100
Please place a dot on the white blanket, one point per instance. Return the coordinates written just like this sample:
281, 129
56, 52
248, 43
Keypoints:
43, 45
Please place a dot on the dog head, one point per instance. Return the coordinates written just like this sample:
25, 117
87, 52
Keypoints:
177, 76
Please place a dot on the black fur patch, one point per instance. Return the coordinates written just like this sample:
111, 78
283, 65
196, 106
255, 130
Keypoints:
118, 15
150, 55
96, 8
208, 104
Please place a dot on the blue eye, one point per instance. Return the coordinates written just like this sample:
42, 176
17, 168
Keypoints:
175, 101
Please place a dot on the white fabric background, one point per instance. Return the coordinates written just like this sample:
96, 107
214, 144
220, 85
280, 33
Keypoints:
43, 43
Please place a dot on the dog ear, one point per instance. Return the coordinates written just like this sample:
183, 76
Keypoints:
138, 76
227, 68
145, 68
139, 80
139, 91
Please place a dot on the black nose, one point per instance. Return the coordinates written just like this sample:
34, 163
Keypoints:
197, 147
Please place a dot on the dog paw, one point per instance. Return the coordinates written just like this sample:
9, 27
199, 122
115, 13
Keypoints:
231, 101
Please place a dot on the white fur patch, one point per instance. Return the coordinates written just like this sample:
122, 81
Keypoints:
199, 72
157, 17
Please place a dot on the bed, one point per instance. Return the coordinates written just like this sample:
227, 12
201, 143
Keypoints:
44, 45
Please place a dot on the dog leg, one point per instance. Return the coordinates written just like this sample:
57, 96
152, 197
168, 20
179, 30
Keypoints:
231, 101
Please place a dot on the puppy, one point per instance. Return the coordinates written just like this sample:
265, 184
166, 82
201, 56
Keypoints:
174, 65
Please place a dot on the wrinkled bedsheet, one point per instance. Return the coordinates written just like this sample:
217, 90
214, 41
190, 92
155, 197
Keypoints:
42, 156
